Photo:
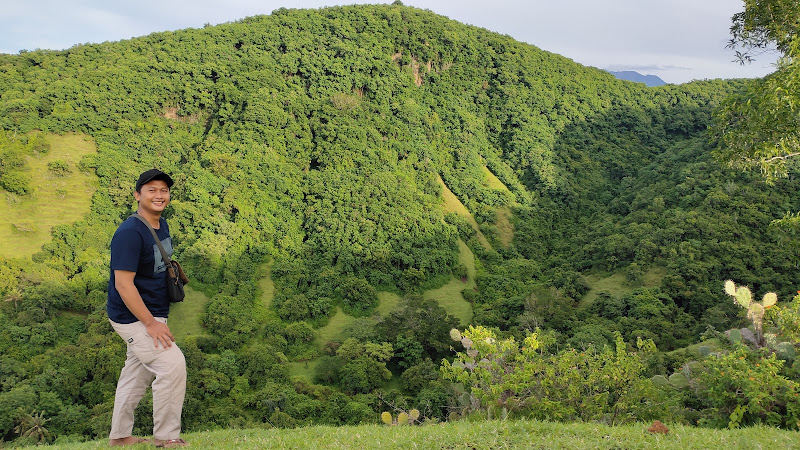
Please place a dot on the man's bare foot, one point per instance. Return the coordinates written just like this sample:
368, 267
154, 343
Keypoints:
170, 443
130, 440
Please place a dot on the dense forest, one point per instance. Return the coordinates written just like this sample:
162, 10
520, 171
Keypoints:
313, 149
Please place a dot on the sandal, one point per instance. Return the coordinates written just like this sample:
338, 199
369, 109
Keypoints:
172, 443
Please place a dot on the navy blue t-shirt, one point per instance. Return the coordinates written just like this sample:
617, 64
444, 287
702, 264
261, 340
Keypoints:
134, 249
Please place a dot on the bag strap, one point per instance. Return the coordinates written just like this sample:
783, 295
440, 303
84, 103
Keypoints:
167, 261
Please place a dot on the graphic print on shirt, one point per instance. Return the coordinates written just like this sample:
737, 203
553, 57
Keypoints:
158, 262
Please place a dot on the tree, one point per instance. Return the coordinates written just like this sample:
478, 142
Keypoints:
764, 23
418, 325
363, 365
757, 128
32, 426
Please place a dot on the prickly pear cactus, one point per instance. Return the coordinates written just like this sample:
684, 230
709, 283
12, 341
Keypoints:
755, 310
678, 381
402, 418
786, 351
455, 334
735, 336
660, 380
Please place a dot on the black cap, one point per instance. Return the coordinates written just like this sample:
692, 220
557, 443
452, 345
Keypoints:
150, 175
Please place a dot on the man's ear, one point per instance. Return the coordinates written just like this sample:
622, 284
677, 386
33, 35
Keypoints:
137, 195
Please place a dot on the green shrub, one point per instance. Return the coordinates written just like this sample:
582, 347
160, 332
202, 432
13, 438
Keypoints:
604, 384
358, 296
59, 168
744, 388
16, 183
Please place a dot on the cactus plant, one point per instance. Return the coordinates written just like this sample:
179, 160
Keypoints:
692, 369
735, 336
755, 310
403, 418
455, 334
678, 380
786, 351
660, 380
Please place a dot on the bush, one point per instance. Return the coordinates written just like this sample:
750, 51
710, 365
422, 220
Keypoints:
16, 183
59, 168
746, 388
358, 296
569, 385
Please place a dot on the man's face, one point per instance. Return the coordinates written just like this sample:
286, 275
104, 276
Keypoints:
153, 197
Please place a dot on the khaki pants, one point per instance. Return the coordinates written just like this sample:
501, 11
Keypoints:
165, 368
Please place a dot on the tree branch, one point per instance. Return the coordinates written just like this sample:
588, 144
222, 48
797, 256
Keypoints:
783, 157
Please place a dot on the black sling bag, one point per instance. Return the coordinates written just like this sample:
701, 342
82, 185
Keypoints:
176, 278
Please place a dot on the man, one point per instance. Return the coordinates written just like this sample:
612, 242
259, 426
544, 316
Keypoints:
138, 306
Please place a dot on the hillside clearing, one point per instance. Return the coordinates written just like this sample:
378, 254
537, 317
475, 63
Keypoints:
184, 317
616, 285
267, 286
454, 205
449, 296
26, 221
505, 229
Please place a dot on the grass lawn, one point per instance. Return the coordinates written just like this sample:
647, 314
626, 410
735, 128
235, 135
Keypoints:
449, 297
332, 330
467, 258
493, 434
334, 327
26, 221
505, 230
387, 302
303, 369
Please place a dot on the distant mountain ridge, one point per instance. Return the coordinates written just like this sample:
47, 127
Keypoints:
630, 75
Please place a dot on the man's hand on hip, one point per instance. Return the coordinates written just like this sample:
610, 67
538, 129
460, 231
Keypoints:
159, 331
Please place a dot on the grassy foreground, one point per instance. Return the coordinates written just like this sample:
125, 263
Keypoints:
485, 435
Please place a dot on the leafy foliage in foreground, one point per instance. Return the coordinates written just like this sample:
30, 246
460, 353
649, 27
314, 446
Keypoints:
315, 141
735, 386
568, 385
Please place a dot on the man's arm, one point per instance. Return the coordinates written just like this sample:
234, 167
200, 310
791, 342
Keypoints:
159, 331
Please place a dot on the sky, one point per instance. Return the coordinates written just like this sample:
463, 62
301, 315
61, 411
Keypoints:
676, 40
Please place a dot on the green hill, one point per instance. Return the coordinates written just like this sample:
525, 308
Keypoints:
350, 184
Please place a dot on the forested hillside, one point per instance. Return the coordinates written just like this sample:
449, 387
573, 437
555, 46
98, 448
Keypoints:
313, 152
